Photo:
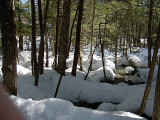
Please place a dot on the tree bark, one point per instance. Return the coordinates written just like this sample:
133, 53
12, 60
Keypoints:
116, 50
92, 26
124, 42
34, 52
63, 48
156, 109
150, 75
90, 65
46, 49
9, 45
70, 37
57, 33
78, 33
20, 29
42, 32
41, 46
21, 42
149, 39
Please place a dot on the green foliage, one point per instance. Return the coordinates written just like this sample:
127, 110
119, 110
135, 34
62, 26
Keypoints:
122, 17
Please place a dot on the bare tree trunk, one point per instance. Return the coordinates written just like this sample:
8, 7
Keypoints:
41, 46
9, 45
149, 39
156, 110
120, 43
92, 26
139, 36
150, 75
124, 41
42, 32
58, 85
102, 50
78, 34
21, 42
20, 29
70, 37
57, 33
63, 48
34, 52
46, 49
80, 60
126, 50
90, 66
130, 39
116, 47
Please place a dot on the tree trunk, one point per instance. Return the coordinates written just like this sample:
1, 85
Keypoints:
139, 36
34, 53
156, 110
78, 33
20, 29
116, 47
41, 46
63, 48
102, 50
42, 32
46, 49
90, 65
92, 26
120, 43
9, 45
57, 33
21, 42
150, 75
80, 60
130, 39
124, 41
70, 37
149, 39
126, 52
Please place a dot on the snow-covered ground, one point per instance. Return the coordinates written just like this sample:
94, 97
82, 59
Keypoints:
37, 103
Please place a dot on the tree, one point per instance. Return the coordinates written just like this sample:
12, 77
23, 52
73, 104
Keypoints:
46, 48
92, 26
78, 36
151, 71
20, 30
41, 46
34, 56
57, 32
149, 39
71, 31
156, 110
9, 45
42, 22
63, 48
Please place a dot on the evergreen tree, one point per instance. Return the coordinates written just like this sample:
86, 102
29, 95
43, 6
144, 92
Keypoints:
9, 45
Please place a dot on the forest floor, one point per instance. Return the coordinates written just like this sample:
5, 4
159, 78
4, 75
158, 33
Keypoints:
105, 101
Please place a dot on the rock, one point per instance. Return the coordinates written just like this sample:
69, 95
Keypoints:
129, 70
107, 107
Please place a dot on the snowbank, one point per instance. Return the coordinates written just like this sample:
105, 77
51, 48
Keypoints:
22, 71
98, 75
56, 109
142, 75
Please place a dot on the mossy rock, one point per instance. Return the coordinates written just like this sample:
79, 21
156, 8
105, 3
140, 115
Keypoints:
134, 65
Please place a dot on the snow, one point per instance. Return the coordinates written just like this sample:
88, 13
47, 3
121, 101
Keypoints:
56, 109
142, 75
129, 69
23, 71
127, 98
37, 103
140, 57
98, 75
